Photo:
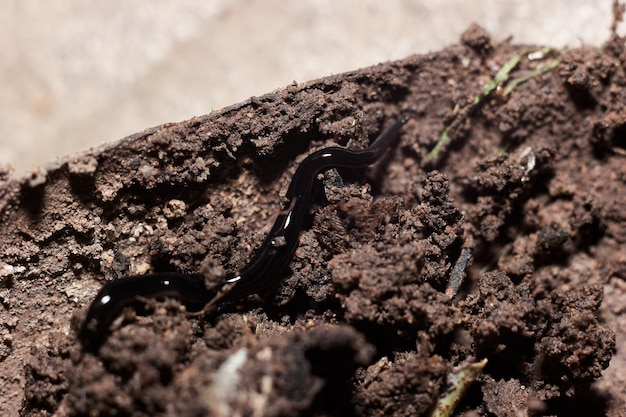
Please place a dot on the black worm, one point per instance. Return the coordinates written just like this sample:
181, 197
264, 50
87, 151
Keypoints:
269, 260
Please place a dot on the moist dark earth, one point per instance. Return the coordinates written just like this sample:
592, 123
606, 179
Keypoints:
371, 316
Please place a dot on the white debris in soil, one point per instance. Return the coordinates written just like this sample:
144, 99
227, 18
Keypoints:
225, 383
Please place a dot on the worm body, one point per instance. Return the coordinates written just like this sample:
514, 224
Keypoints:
268, 262
133, 290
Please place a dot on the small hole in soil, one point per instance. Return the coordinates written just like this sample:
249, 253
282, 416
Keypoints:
511, 361
587, 403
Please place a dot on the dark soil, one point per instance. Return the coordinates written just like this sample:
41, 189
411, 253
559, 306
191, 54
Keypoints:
531, 183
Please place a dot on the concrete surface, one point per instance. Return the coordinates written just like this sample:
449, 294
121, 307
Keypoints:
76, 74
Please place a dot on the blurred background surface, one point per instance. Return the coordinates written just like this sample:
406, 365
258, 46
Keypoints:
77, 74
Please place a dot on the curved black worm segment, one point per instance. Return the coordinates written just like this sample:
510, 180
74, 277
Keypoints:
272, 257
269, 260
133, 290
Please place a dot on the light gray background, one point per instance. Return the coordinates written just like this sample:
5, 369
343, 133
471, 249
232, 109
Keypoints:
78, 73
